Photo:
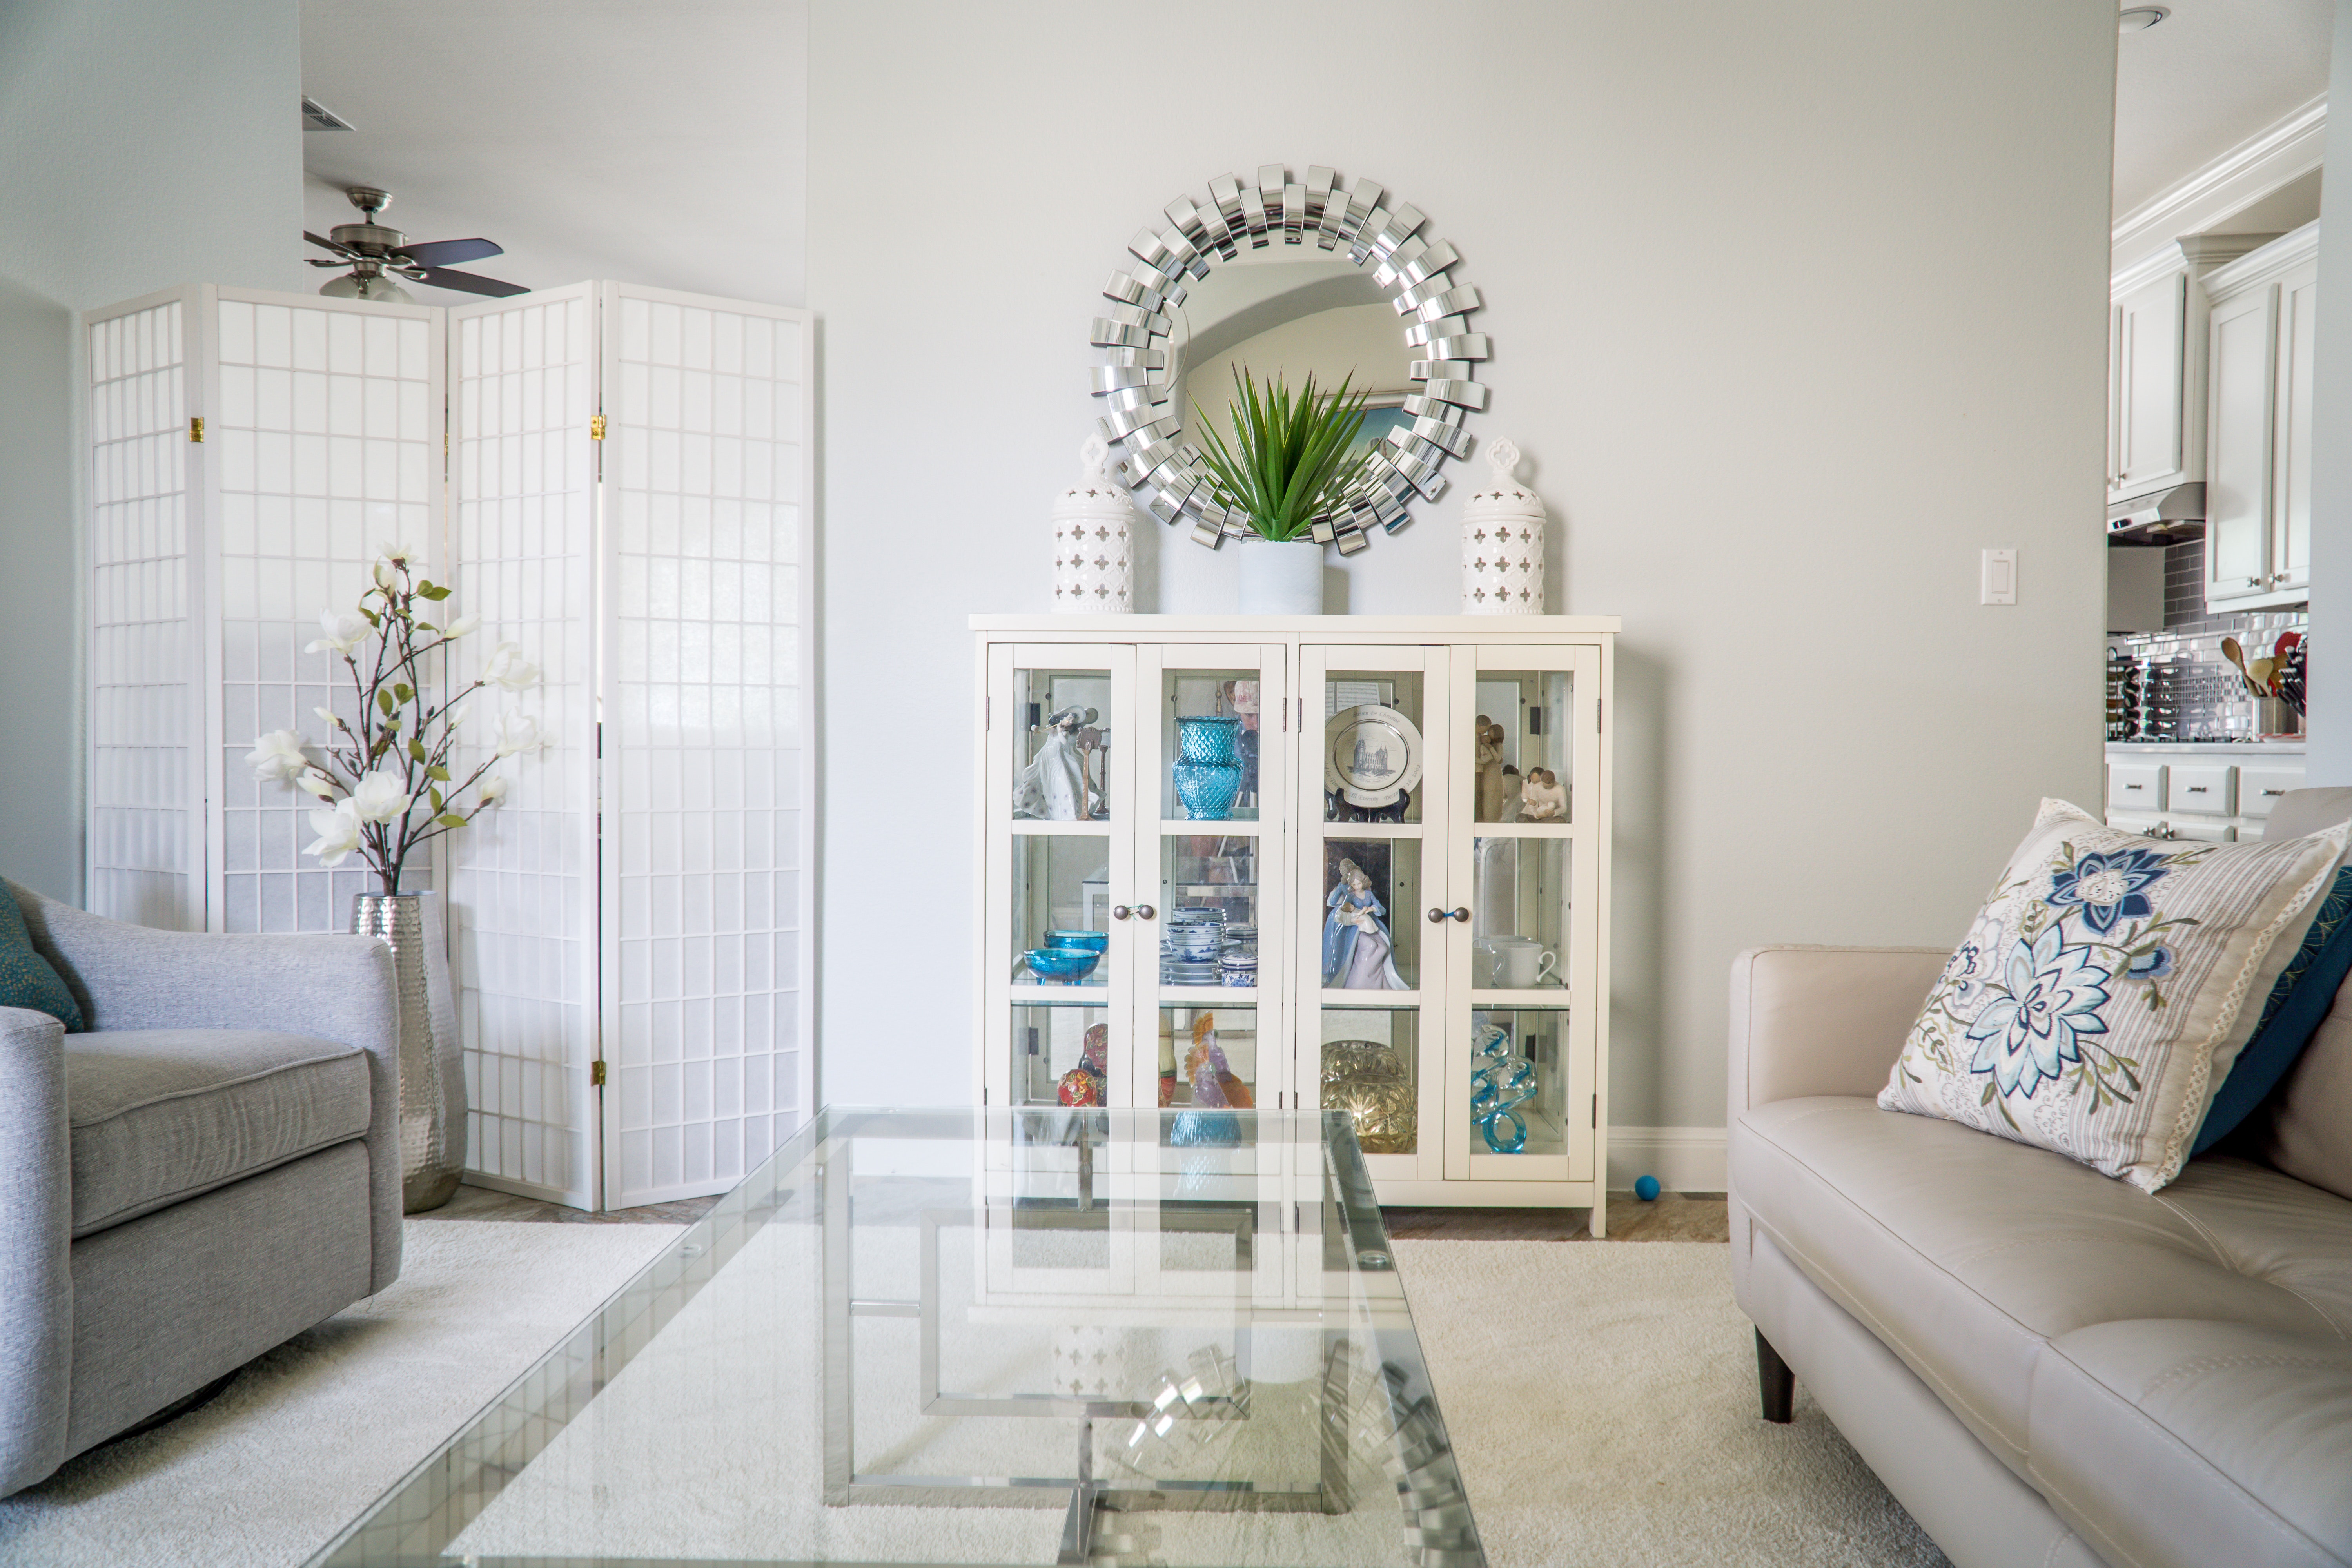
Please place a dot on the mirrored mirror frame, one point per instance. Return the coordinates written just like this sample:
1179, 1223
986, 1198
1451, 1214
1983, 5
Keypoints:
1134, 390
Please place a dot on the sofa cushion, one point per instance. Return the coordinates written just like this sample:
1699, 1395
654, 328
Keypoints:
2306, 1127
2105, 988
1966, 1255
27, 979
160, 1115
2166, 1441
2298, 1005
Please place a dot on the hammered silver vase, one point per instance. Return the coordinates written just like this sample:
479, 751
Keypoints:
432, 1073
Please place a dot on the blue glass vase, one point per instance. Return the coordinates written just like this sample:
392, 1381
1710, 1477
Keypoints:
1208, 769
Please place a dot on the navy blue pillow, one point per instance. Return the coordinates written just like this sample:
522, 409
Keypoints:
2305, 990
26, 980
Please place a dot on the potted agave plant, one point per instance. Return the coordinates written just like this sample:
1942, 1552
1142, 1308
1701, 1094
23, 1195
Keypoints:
1290, 461
386, 787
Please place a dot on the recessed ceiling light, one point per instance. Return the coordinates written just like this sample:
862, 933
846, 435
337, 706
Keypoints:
2140, 18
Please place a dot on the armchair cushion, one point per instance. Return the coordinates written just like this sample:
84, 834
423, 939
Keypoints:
160, 1115
27, 979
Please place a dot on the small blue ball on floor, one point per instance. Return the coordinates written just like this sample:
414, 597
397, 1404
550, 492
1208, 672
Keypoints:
1646, 1188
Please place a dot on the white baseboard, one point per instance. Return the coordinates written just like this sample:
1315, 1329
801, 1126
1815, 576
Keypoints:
1684, 1159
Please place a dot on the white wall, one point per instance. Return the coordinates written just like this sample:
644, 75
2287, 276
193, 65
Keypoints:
1795, 309
147, 143
2329, 759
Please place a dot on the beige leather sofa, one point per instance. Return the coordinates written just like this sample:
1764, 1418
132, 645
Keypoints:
2046, 1366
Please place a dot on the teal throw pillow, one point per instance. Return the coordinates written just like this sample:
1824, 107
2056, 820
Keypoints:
26, 980
2305, 990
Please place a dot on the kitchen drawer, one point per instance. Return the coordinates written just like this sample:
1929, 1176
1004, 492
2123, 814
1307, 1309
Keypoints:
2258, 789
2135, 786
2204, 832
2209, 789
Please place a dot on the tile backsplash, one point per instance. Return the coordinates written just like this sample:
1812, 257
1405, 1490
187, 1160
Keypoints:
2176, 685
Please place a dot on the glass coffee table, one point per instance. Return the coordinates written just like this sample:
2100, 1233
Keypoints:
979, 1337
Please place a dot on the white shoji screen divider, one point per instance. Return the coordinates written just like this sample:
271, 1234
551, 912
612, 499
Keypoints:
144, 840
327, 442
523, 880
708, 837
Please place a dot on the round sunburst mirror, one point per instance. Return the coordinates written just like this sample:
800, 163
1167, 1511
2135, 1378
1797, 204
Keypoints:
1289, 278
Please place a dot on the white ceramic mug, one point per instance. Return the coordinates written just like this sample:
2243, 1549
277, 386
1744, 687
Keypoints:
1521, 963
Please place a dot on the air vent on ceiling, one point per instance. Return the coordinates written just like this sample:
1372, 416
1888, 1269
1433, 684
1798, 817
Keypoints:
317, 116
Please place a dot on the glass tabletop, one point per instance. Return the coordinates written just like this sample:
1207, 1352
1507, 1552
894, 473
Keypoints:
960, 1337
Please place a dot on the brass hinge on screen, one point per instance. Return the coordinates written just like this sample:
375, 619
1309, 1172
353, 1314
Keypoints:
595, 427
196, 427
596, 1075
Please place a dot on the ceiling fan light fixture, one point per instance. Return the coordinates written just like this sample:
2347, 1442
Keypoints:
379, 288
2140, 18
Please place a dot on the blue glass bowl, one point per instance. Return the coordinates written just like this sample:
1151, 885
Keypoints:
1068, 964
1085, 940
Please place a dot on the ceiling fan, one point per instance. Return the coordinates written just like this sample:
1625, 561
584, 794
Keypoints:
372, 252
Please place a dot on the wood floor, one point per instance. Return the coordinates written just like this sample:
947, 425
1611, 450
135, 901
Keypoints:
1674, 1217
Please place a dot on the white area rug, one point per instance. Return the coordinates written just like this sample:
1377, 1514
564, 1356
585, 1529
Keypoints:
1602, 1400
312, 1433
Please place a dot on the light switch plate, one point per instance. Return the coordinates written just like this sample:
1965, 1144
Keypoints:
1999, 577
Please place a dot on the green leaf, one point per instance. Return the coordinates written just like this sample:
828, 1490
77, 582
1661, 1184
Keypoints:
450, 819
437, 772
402, 690
1288, 460
383, 699
434, 795
432, 591
416, 749
373, 618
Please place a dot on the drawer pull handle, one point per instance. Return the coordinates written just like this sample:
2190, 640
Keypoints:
2134, 787
2196, 789
2268, 793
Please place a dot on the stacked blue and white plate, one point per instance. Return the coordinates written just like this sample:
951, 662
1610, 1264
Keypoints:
1189, 947
1237, 956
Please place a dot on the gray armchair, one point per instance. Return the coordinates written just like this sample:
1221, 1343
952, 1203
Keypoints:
210, 1170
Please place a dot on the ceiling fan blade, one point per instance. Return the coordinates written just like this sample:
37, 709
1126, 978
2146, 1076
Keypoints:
328, 244
441, 252
470, 282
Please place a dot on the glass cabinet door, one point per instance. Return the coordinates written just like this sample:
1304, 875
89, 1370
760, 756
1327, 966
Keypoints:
1524, 749
1060, 951
1213, 1010
1372, 901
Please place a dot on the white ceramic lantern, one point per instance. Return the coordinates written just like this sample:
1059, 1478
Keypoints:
1093, 523
1503, 543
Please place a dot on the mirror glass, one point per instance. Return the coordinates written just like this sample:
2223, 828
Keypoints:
1290, 317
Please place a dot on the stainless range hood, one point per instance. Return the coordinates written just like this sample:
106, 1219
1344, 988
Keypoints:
2167, 516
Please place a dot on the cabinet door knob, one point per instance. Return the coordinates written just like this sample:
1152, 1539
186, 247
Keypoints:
1436, 917
1462, 915
1144, 911
1120, 911
2253, 582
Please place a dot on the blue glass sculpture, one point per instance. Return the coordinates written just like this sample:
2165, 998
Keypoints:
1208, 769
1501, 1080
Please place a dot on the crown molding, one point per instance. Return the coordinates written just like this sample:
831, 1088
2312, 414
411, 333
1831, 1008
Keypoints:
2292, 146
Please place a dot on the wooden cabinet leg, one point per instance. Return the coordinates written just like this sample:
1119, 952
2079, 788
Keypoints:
1775, 1382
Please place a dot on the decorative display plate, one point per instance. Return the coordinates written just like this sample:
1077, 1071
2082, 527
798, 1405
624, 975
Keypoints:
1371, 754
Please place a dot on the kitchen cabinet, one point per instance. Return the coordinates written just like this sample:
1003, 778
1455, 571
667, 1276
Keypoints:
2259, 431
2156, 365
2201, 793
1220, 903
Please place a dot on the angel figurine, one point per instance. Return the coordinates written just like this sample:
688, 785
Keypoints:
1542, 799
1357, 954
1489, 759
1054, 787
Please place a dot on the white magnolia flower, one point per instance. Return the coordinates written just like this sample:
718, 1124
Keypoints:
318, 784
338, 831
518, 733
329, 715
459, 626
344, 631
276, 757
493, 790
378, 797
507, 667
457, 716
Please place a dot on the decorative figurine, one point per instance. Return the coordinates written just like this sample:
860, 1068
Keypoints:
1542, 797
1512, 785
1358, 953
1054, 787
1243, 696
1215, 1087
1501, 1080
1086, 1083
1366, 1081
1488, 736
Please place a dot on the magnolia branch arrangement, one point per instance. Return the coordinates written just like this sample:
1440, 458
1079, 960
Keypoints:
386, 784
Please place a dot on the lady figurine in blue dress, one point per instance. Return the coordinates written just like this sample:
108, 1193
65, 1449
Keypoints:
1356, 952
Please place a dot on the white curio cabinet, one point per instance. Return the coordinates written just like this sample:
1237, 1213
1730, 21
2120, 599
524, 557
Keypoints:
1356, 863
611, 476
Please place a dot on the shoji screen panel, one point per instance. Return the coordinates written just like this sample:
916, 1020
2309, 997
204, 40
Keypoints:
707, 827
146, 839
522, 879
326, 440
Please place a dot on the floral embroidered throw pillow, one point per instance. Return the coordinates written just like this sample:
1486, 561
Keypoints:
2098, 1000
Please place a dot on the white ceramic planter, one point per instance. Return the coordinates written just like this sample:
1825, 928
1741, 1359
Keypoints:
1281, 579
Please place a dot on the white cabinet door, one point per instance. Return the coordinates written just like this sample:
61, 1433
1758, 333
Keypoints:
2148, 364
2298, 312
2238, 446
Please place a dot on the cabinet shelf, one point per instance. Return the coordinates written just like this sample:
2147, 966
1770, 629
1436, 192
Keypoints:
1498, 710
